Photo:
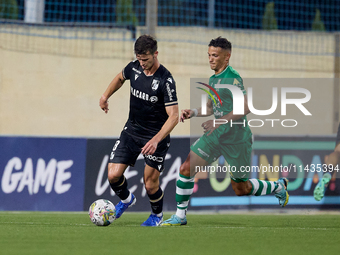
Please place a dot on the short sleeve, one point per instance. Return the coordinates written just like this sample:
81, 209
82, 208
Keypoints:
238, 81
169, 91
127, 71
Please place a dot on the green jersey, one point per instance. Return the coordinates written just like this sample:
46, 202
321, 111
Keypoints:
238, 131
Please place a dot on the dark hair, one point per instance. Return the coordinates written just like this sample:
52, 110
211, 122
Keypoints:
145, 44
220, 42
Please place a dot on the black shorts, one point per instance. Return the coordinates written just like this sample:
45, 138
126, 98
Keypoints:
127, 148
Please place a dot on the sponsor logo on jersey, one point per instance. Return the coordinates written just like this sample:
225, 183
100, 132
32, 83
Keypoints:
155, 84
169, 80
140, 94
169, 91
136, 76
154, 158
153, 99
137, 71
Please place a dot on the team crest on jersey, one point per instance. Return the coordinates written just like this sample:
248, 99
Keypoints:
155, 84
153, 99
136, 76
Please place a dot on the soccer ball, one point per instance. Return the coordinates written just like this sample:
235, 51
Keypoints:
102, 212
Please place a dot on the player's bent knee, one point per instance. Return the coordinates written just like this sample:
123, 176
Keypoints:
115, 172
241, 188
240, 191
185, 169
112, 176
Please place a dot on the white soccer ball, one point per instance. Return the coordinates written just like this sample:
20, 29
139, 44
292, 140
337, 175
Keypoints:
102, 212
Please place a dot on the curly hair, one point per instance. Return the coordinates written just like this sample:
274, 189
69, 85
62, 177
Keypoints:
145, 44
220, 42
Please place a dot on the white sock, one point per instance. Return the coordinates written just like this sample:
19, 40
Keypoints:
181, 213
128, 199
279, 188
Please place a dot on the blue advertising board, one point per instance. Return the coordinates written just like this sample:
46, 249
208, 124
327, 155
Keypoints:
300, 159
42, 174
50, 174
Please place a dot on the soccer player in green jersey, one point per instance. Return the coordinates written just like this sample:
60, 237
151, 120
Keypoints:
234, 142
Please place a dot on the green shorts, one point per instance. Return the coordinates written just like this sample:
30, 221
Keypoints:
238, 156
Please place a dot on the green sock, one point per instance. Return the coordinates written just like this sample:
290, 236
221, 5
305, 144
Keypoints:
184, 189
261, 188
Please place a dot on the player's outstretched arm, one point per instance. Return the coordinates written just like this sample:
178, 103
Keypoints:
115, 84
151, 146
188, 113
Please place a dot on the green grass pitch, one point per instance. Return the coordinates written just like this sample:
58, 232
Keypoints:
251, 233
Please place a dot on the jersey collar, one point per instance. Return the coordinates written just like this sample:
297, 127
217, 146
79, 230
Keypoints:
216, 75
